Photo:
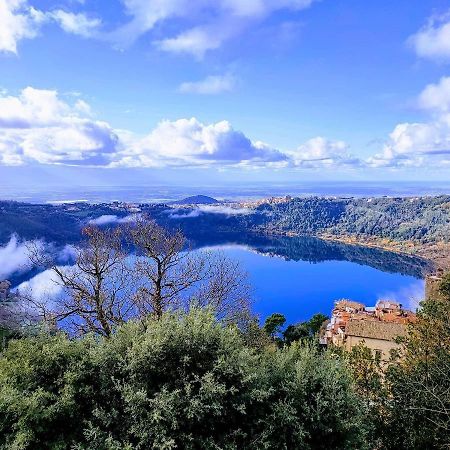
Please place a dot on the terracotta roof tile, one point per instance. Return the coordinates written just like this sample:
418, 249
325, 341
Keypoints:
375, 329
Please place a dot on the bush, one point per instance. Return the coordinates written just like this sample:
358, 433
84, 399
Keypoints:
181, 382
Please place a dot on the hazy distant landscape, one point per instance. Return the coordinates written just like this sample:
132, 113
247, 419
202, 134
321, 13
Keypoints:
168, 193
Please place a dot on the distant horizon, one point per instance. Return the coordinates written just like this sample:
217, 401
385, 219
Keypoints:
160, 193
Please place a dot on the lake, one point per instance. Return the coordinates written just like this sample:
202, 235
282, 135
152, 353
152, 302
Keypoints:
301, 276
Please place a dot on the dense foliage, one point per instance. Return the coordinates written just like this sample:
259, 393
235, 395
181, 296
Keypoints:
420, 383
180, 382
307, 331
423, 218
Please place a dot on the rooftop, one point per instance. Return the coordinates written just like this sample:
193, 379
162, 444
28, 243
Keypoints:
387, 331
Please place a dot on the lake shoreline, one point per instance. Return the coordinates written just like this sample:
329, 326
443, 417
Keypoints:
437, 253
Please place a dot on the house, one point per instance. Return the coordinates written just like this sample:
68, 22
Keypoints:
377, 335
352, 322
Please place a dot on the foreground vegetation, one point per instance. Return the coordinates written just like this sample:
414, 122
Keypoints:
178, 382
186, 380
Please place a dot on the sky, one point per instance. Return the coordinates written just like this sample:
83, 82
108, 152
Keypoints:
224, 91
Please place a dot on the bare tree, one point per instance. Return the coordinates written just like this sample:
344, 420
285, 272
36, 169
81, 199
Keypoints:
164, 269
96, 289
226, 289
173, 276
106, 286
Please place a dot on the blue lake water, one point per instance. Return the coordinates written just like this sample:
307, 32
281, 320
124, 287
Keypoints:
299, 277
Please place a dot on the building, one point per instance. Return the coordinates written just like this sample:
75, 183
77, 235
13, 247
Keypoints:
376, 335
352, 323
432, 283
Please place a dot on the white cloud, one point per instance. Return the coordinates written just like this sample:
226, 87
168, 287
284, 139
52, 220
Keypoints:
416, 145
15, 256
17, 21
37, 126
187, 213
436, 97
214, 84
321, 152
190, 142
433, 40
197, 41
78, 24
208, 23
422, 143
43, 286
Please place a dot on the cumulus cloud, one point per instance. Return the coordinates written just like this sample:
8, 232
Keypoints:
422, 143
433, 40
214, 84
205, 25
190, 142
19, 20
38, 126
436, 97
322, 152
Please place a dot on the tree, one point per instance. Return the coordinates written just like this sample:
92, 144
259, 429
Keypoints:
315, 323
415, 387
273, 324
183, 381
294, 333
444, 286
304, 330
96, 289
420, 381
107, 286
170, 276
225, 290
164, 270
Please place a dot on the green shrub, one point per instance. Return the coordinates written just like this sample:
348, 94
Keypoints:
181, 382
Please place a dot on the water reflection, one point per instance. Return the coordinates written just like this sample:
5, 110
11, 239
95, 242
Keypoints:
316, 250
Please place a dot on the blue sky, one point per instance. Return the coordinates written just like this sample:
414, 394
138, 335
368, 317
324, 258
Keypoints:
180, 91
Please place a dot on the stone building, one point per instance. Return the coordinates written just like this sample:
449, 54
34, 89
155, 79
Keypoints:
432, 283
352, 323
376, 335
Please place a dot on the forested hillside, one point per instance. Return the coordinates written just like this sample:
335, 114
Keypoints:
426, 219
423, 220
